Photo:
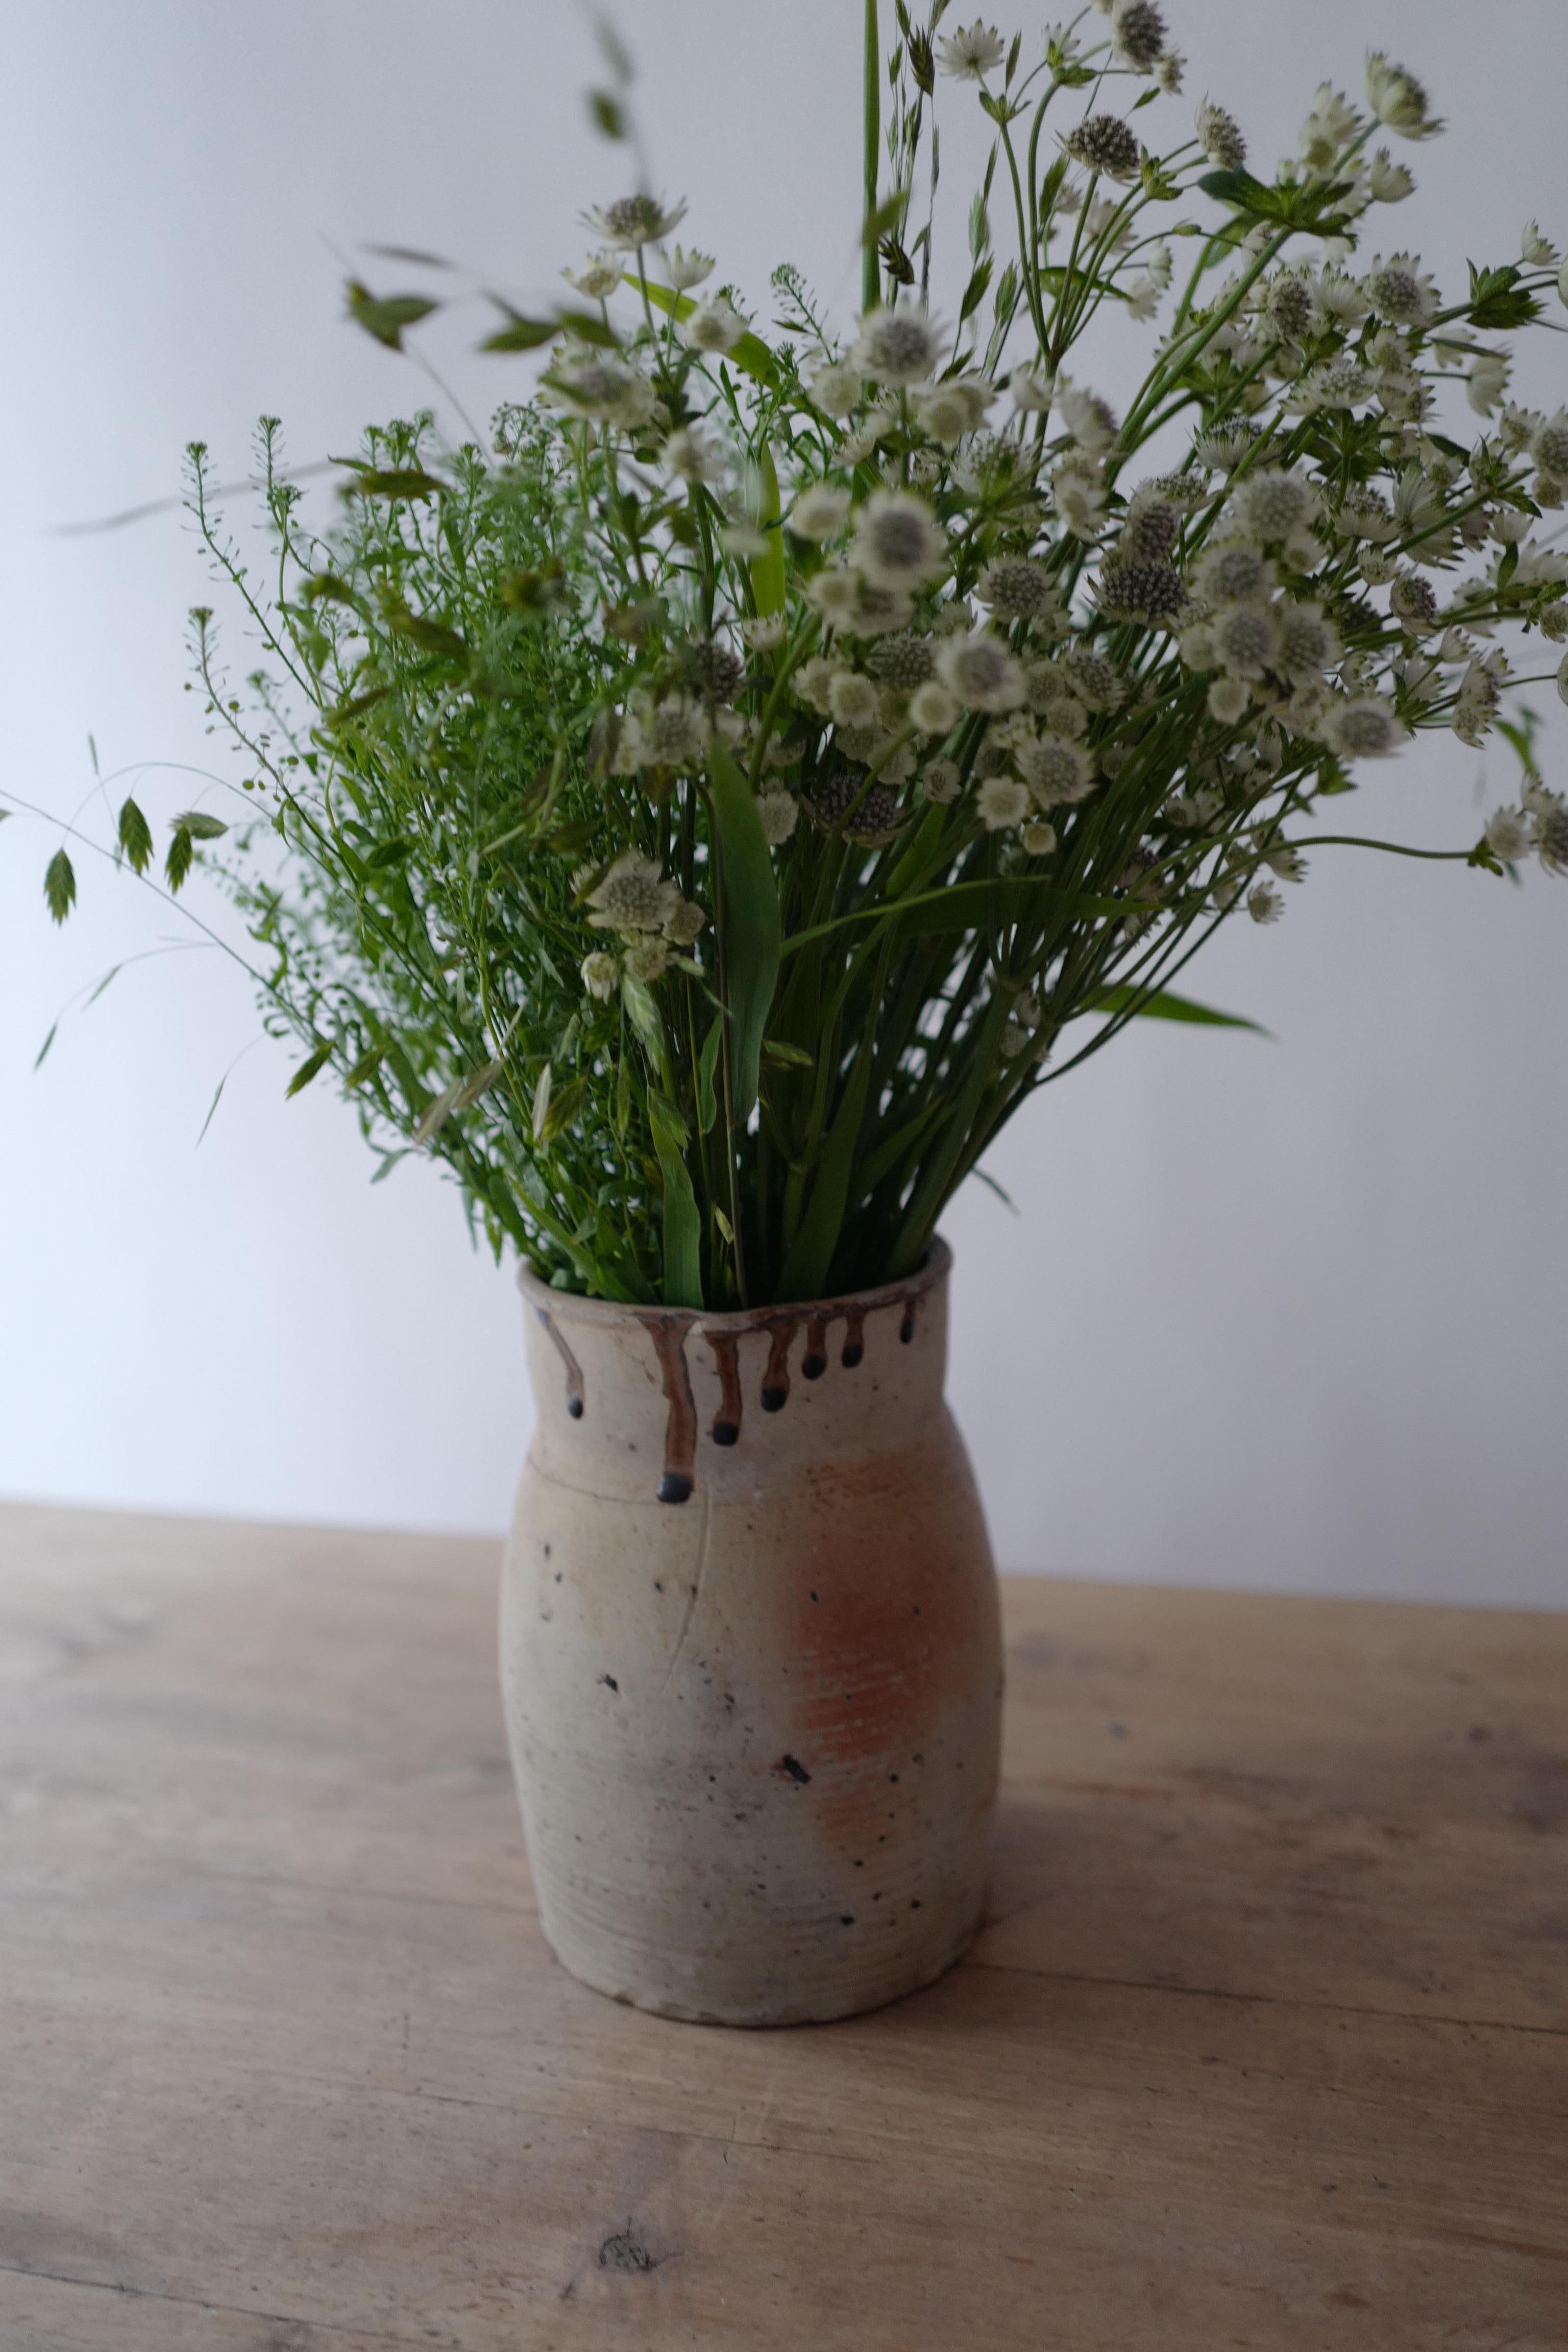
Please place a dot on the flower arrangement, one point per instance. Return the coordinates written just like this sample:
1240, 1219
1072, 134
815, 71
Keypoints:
704, 816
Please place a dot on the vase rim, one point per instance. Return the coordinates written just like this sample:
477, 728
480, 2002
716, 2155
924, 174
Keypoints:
932, 1271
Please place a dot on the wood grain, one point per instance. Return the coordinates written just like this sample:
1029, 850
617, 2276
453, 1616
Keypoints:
1264, 2045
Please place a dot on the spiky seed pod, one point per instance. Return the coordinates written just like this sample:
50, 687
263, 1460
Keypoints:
1152, 592
711, 668
1103, 143
1149, 532
878, 814
902, 663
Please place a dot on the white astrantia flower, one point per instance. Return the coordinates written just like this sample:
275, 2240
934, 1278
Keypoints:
1388, 182
1398, 288
1276, 505
1137, 33
1103, 143
950, 410
598, 277
873, 428
1016, 589
601, 975
1031, 390
1331, 126
1487, 385
1264, 903
1286, 862
853, 700
835, 388
813, 681
691, 456
1537, 252
685, 270
942, 781
1397, 98
685, 925
779, 812
600, 386
1002, 801
1245, 638
1090, 420
712, 327
647, 959
1554, 623
634, 221
897, 541
1229, 700
1038, 837
673, 733
933, 709
819, 513
1308, 645
833, 594
1563, 284
1059, 772
1363, 729
1510, 834
1551, 814
634, 895
1550, 447
967, 57
765, 632
1232, 572
1220, 137
898, 347
981, 672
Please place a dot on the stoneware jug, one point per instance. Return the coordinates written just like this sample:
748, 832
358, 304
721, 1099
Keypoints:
750, 1652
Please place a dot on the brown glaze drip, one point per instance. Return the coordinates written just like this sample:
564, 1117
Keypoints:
814, 1363
854, 1338
669, 1336
775, 1379
911, 1318
726, 1356
574, 1368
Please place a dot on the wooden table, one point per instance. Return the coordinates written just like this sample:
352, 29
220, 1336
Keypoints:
1264, 2045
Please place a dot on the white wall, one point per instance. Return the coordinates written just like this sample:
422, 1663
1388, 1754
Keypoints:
1287, 1314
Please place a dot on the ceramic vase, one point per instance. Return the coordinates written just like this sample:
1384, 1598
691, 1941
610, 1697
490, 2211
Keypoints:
751, 1655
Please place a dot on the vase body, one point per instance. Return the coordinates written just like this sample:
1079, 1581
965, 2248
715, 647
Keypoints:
751, 1656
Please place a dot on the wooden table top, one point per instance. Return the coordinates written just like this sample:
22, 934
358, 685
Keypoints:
1266, 2043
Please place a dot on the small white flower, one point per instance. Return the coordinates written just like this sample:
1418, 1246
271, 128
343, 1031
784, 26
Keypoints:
1275, 506
1510, 835
1232, 572
1245, 638
634, 221
949, 411
1552, 832
688, 270
1038, 837
819, 513
1079, 502
1285, 862
1220, 137
1397, 98
1536, 251
898, 347
601, 975
933, 710
598, 277
981, 672
779, 812
1003, 802
712, 327
1228, 700
765, 632
1550, 447
741, 538
692, 456
942, 781
1031, 390
852, 701
1364, 729
1389, 181
835, 388
1330, 125
1399, 290
1264, 903
1168, 71
647, 959
873, 427
897, 541
600, 386
813, 682
1058, 772
633, 896
1090, 420
685, 925
969, 55
833, 596
1555, 623
1488, 382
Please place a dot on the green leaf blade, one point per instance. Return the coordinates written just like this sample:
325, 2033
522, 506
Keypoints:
752, 925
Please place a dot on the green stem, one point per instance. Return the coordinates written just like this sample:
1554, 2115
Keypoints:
870, 270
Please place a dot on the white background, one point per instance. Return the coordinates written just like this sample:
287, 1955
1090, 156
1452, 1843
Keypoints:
1286, 1314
